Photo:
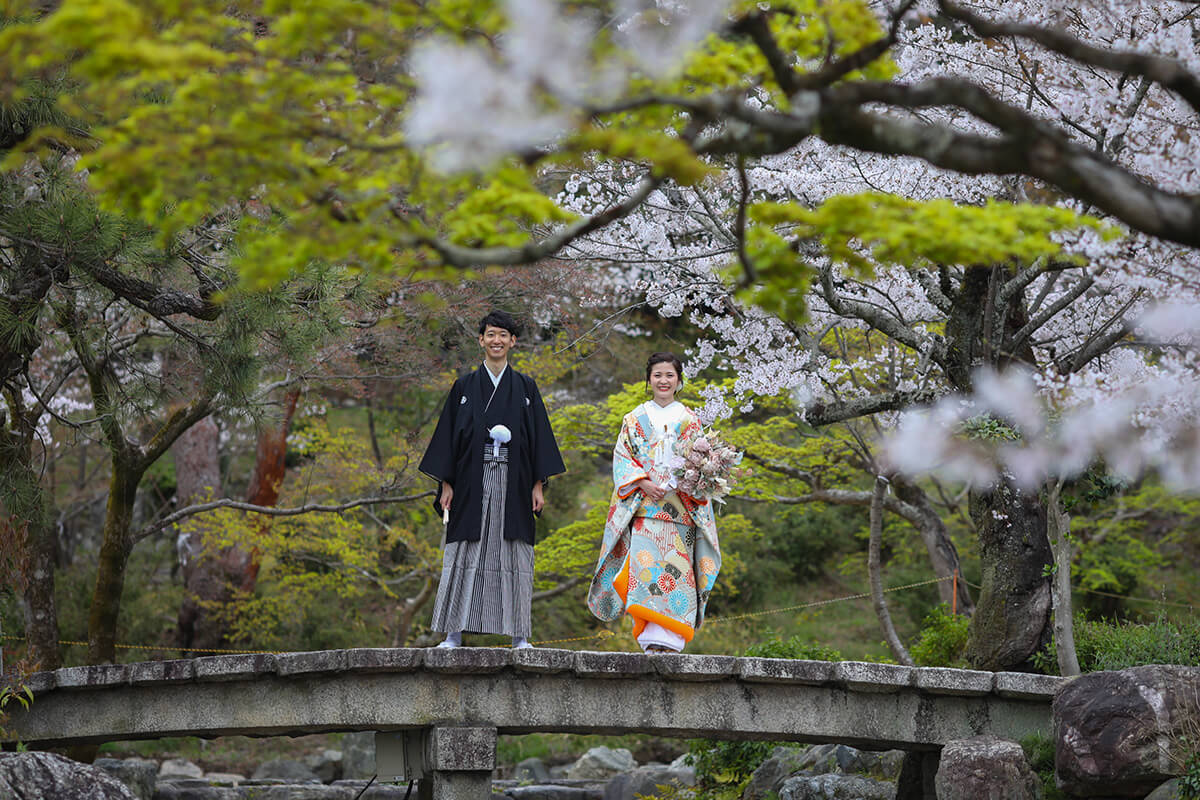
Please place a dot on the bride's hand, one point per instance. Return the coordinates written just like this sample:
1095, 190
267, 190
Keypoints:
651, 489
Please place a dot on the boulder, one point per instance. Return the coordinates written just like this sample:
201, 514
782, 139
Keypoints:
138, 774
231, 778
985, 768
358, 755
1116, 733
826, 758
1168, 791
285, 769
833, 786
531, 770
34, 776
553, 792
180, 766
771, 773
644, 782
601, 763
326, 765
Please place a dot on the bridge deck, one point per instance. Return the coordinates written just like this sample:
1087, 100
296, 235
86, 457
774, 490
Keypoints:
521, 691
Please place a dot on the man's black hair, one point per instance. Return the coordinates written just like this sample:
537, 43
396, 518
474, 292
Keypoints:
500, 319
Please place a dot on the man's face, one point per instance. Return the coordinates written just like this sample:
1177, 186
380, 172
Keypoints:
496, 342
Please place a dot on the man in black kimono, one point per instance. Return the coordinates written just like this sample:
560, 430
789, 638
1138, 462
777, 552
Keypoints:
492, 452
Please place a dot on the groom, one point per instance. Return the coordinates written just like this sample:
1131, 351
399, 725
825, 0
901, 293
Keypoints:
491, 452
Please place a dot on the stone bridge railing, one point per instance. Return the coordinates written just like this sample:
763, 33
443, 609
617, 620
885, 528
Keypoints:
450, 704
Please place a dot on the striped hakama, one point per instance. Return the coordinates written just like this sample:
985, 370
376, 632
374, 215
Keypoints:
487, 585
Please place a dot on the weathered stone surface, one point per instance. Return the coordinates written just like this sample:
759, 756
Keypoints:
1026, 686
644, 782
941, 680
138, 774
461, 785
1114, 730
385, 659
285, 769
786, 670
160, 672
612, 665
773, 771
358, 755
313, 662
554, 792
461, 749
224, 778
531, 770
601, 763
466, 660
835, 787
694, 668
233, 668
92, 677
541, 659
985, 768
1167, 791
181, 767
37, 776
865, 676
40, 682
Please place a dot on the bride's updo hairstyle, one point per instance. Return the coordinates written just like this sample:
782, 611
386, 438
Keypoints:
664, 358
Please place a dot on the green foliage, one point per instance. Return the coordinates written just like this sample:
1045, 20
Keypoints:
1189, 781
1040, 751
942, 640
793, 647
1102, 645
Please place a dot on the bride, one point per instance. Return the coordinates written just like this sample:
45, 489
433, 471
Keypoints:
660, 555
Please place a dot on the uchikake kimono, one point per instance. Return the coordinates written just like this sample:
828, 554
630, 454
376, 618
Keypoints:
659, 559
487, 564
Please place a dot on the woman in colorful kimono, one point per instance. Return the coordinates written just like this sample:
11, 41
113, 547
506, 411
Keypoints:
660, 554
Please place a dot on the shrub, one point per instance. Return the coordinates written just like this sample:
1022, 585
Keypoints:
1103, 645
1040, 752
942, 640
795, 647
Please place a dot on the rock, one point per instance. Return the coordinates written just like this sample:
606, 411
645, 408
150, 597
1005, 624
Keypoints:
832, 786
180, 766
771, 773
826, 758
138, 774
644, 782
358, 756
1109, 726
284, 769
553, 792
531, 770
377, 791
1168, 791
558, 772
231, 778
326, 765
34, 776
985, 768
601, 763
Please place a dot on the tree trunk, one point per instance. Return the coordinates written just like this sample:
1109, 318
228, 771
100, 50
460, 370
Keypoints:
1012, 618
197, 477
110, 569
265, 485
1058, 524
943, 555
873, 568
409, 609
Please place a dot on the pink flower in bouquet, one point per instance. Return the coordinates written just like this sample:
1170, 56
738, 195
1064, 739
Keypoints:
701, 445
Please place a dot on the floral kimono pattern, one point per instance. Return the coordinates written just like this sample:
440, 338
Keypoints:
659, 559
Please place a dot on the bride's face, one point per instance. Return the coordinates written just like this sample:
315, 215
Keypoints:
664, 382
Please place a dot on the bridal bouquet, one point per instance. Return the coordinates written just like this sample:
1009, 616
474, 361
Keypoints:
705, 466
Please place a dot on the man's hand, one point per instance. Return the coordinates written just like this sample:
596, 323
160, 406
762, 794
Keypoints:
651, 489
538, 500
447, 495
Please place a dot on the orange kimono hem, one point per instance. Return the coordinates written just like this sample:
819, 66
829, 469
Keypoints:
642, 615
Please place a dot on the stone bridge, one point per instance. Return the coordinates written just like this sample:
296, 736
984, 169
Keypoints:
439, 711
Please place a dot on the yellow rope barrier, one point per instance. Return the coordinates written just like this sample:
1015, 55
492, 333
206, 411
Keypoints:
831, 600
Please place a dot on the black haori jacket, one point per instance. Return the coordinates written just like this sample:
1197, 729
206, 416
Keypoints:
455, 453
